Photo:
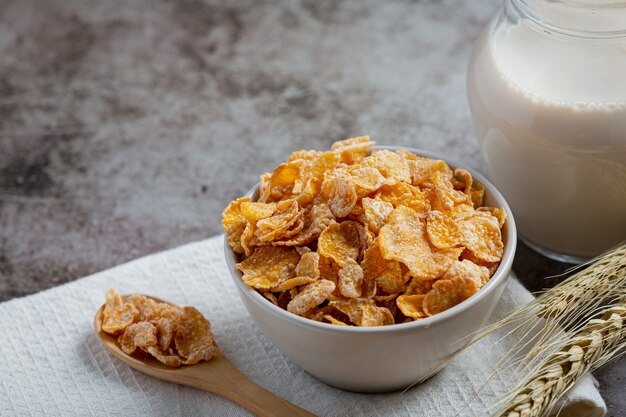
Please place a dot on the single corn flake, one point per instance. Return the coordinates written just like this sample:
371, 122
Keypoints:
271, 297
292, 283
352, 150
481, 235
340, 195
165, 358
375, 212
194, 340
403, 239
340, 241
386, 273
468, 270
365, 179
255, 211
418, 286
309, 265
117, 314
497, 212
447, 293
269, 266
138, 335
313, 295
276, 226
411, 305
443, 232
464, 179
234, 223
315, 220
391, 165
423, 169
350, 279
403, 194
364, 312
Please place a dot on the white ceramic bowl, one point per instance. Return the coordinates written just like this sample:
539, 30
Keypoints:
384, 358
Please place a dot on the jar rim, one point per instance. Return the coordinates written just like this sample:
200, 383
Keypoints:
594, 19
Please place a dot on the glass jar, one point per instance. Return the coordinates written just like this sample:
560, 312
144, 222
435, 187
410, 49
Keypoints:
547, 93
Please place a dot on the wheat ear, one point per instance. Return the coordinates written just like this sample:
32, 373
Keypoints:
597, 342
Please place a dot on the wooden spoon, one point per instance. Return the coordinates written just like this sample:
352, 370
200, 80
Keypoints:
217, 376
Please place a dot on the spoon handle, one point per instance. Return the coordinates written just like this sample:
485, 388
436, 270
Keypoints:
225, 380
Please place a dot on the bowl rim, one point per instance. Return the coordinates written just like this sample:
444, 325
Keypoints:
502, 273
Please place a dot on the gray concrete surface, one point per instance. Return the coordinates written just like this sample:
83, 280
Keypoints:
126, 126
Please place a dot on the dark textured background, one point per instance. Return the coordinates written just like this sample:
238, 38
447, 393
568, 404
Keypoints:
126, 126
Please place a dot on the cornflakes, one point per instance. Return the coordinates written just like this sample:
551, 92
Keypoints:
340, 195
375, 212
234, 223
481, 235
194, 340
313, 295
364, 312
340, 241
172, 335
390, 165
309, 265
350, 279
447, 293
360, 237
138, 335
411, 305
443, 232
117, 314
268, 266
403, 239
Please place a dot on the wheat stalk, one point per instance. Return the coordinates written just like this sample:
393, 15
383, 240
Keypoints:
598, 341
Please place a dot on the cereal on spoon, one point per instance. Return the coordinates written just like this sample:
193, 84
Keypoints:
174, 336
361, 237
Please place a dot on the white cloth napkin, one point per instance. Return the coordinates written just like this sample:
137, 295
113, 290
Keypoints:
52, 364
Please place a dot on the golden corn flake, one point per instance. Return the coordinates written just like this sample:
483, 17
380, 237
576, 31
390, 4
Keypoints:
375, 212
313, 295
277, 226
391, 165
234, 223
340, 241
269, 266
194, 340
292, 283
411, 305
352, 150
468, 270
365, 179
418, 286
364, 312
340, 195
309, 265
350, 279
315, 220
497, 212
355, 236
403, 239
172, 335
168, 359
138, 335
423, 169
117, 314
481, 235
443, 232
403, 194
447, 293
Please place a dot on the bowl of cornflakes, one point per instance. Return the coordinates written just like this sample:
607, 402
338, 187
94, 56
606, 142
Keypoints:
369, 266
